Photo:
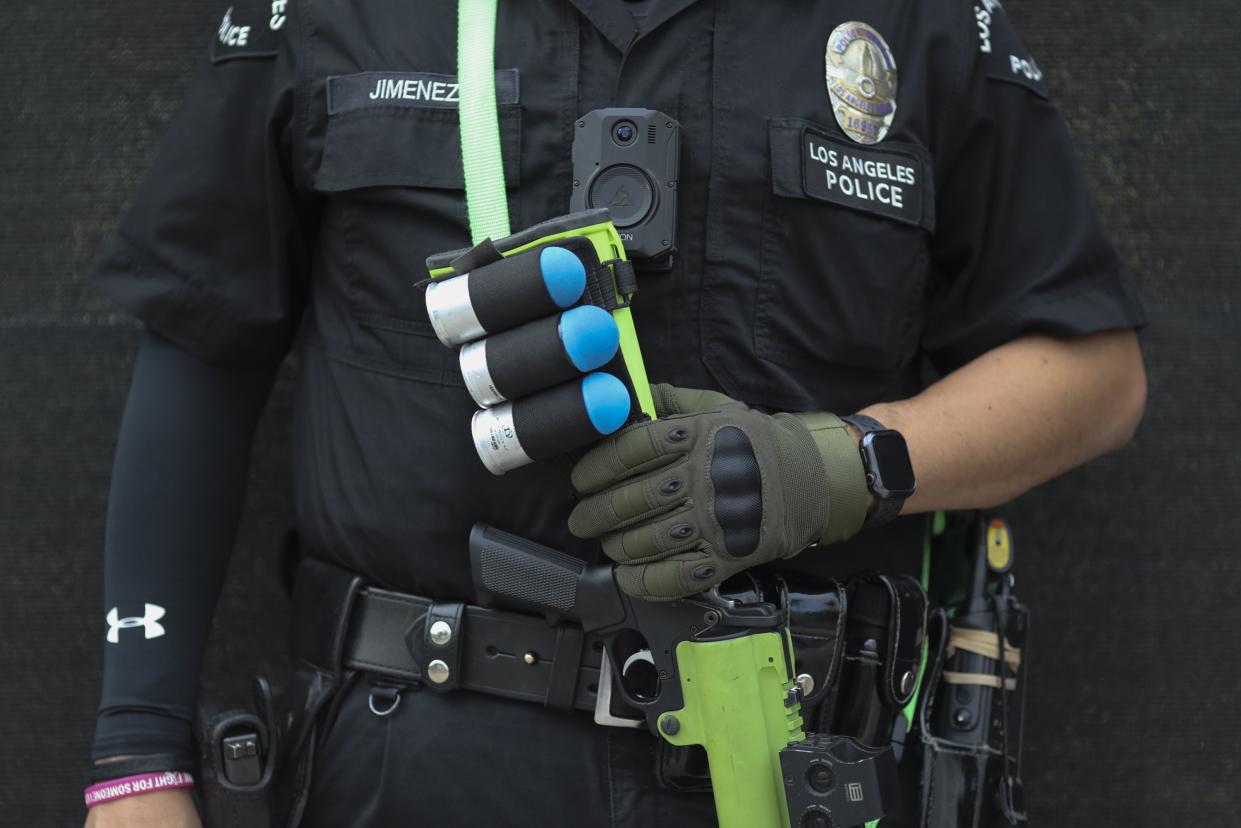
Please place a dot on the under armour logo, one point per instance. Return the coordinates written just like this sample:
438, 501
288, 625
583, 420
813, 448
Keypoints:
149, 622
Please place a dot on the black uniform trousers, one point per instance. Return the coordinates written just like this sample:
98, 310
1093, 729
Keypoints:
466, 759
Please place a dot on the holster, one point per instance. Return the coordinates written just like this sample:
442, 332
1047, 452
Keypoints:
815, 609
237, 753
323, 600
855, 642
974, 785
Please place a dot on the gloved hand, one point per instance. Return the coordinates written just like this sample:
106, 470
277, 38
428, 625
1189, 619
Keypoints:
714, 487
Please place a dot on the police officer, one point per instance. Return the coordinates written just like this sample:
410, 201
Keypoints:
880, 212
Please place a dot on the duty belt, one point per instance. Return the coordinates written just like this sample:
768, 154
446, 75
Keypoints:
401, 639
447, 645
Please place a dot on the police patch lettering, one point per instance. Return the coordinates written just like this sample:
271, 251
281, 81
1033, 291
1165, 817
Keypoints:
1004, 56
889, 182
248, 30
366, 90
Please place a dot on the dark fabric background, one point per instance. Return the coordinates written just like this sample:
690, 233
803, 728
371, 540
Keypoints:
1131, 564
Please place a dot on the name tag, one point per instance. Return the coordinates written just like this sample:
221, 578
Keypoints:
365, 90
888, 181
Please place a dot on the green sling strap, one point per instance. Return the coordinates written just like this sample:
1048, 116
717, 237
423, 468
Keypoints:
481, 158
482, 161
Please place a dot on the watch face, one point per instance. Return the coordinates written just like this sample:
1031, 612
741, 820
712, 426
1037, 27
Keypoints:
892, 467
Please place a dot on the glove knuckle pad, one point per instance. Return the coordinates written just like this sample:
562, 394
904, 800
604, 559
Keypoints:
737, 483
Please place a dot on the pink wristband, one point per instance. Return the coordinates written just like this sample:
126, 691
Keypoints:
138, 784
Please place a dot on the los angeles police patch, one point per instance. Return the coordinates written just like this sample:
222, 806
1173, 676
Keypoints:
861, 80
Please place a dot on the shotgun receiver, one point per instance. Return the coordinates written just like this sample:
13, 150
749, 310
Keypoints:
718, 673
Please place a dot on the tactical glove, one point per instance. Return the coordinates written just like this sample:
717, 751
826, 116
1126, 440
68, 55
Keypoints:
714, 487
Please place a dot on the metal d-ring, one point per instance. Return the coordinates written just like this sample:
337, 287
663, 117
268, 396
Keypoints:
391, 708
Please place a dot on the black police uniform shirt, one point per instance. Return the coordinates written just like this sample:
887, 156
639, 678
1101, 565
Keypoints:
316, 163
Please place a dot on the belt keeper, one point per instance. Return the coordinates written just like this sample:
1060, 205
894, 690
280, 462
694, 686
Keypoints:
435, 641
566, 665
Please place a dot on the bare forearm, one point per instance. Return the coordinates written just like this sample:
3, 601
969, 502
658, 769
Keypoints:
1017, 416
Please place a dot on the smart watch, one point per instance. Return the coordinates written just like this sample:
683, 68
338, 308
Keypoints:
889, 474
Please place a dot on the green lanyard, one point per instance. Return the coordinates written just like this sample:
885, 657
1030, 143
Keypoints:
481, 158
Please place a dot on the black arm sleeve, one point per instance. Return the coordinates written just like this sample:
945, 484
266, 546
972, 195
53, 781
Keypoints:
210, 256
177, 489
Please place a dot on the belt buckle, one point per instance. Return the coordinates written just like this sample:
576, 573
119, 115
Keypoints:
603, 698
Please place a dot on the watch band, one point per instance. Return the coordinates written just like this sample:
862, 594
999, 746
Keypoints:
884, 510
864, 424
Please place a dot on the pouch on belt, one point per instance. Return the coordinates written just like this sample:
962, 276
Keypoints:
885, 629
237, 750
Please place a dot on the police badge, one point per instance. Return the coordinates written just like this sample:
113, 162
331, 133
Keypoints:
861, 80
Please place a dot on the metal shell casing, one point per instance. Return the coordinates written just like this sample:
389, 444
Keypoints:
477, 375
495, 439
451, 312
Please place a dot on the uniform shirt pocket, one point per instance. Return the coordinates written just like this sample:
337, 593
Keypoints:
844, 250
391, 169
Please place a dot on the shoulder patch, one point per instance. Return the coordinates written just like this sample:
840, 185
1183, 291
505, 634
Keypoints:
1004, 56
249, 29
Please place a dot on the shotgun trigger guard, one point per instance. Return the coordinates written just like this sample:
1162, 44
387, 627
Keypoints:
603, 699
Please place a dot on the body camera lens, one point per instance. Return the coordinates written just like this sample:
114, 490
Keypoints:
624, 133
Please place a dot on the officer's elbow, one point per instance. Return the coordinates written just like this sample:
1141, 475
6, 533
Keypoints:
1125, 402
